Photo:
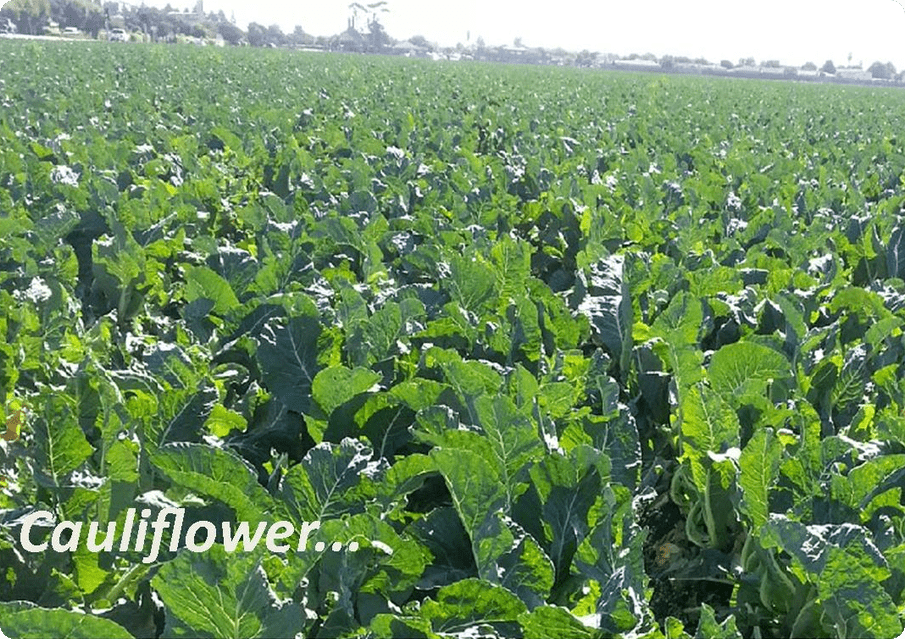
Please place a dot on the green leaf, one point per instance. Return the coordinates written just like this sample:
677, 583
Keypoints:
471, 603
567, 487
61, 445
743, 367
472, 282
848, 570
474, 483
617, 437
608, 306
875, 483
503, 552
218, 473
288, 359
895, 253
334, 386
181, 414
709, 427
709, 628
331, 480
222, 421
223, 596
759, 468
512, 436
355, 583
545, 622
612, 557
204, 283
21, 620
680, 323
471, 379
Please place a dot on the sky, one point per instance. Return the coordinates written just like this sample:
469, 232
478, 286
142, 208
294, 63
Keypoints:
791, 31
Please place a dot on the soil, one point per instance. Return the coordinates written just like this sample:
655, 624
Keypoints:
667, 548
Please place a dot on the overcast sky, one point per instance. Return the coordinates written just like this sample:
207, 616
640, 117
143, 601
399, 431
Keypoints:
792, 31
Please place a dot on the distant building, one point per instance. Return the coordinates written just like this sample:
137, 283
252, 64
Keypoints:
696, 67
855, 74
409, 49
637, 65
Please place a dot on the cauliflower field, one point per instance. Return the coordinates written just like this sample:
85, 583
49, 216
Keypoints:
522, 352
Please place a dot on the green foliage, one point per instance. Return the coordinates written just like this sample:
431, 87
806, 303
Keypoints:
481, 324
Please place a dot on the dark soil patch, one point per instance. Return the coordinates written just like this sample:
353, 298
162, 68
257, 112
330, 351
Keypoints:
666, 550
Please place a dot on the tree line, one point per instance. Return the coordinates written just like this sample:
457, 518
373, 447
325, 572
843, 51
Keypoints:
167, 24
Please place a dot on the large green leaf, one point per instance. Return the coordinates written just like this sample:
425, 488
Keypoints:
334, 386
376, 576
611, 559
553, 621
709, 427
60, 443
567, 487
709, 628
475, 483
331, 480
848, 571
220, 474
758, 470
503, 552
744, 367
22, 620
895, 253
608, 305
874, 484
513, 437
680, 322
288, 356
470, 604
224, 596
204, 283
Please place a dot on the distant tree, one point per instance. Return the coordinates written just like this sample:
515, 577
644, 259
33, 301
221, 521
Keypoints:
257, 35
230, 32
585, 59
633, 56
726, 64
747, 62
274, 36
771, 64
94, 23
649, 56
877, 70
298, 37
701, 61
377, 36
30, 16
882, 71
421, 41
809, 66
667, 62
828, 67
517, 42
